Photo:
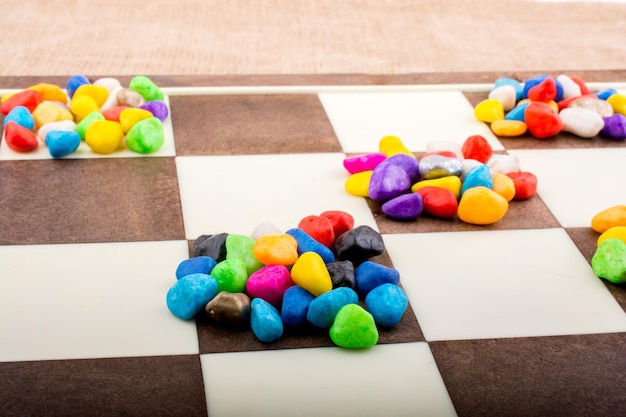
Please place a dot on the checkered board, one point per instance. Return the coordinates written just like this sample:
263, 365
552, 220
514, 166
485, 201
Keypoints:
504, 320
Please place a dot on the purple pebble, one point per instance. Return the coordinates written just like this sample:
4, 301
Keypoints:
405, 207
158, 108
407, 163
388, 181
614, 127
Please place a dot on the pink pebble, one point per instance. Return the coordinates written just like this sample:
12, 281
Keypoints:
269, 283
366, 162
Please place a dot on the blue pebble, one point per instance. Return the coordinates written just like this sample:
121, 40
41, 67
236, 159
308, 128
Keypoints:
478, 176
62, 142
387, 304
196, 265
519, 87
517, 112
74, 82
325, 307
370, 275
190, 294
20, 115
265, 321
606, 93
296, 301
307, 244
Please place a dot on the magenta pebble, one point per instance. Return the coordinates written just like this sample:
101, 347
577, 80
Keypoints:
360, 163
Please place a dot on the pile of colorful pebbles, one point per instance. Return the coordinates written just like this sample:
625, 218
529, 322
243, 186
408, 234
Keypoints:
103, 114
465, 181
609, 259
544, 106
318, 274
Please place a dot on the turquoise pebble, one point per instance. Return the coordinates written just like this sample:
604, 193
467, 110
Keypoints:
196, 265
478, 176
517, 112
324, 308
265, 321
370, 275
387, 304
307, 244
62, 142
190, 294
20, 115
296, 301
74, 82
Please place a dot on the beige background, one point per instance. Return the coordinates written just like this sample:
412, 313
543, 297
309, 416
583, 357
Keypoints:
194, 37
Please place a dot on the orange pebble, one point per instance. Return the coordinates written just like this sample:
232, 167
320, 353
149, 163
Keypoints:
50, 92
276, 249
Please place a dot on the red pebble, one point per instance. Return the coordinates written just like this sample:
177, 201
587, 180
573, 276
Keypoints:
438, 202
525, 184
113, 113
476, 147
583, 87
544, 91
447, 154
319, 228
19, 138
542, 120
27, 98
340, 220
563, 104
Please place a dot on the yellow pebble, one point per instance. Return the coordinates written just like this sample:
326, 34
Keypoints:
450, 182
489, 110
618, 102
310, 273
617, 232
508, 128
82, 106
104, 136
279, 249
503, 185
481, 206
358, 184
97, 92
129, 117
392, 145
48, 112
6, 97
50, 92
611, 217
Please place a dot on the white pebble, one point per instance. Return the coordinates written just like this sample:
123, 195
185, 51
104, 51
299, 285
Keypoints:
445, 145
503, 163
265, 229
111, 100
63, 125
581, 121
506, 95
570, 88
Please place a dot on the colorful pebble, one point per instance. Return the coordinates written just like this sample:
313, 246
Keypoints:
26, 98
609, 261
146, 87
508, 128
231, 309
360, 163
404, 207
388, 181
295, 307
190, 294
525, 184
359, 244
477, 147
438, 202
370, 275
279, 249
392, 145
19, 138
323, 309
451, 183
354, 328
104, 136
358, 184
319, 228
614, 127
387, 304
608, 218
489, 110
305, 243
269, 283
146, 136
231, 275
617, 232
581, 121
542, 120
310, 273
196, 265
20, 115
265, 321
436, 166
481, 206
61, 143
242, 247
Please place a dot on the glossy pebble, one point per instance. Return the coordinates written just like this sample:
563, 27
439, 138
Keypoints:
310, 273
387, 304
146, 136
517, 113
438, 202
19, 138
104, 136
195, 265
146, 87
525, 184
436, 166
295, 306
354, 328
231, 309
358, 184
157, 108
61, 143
306, 243
609, 261
323, 309
392, 145
20, 115
605, 93
614, 127
366, 162
408, 163
481, 206
451, 182
388, 181
242, 247
489, 110
508, 128
269, 283
476, 147
265, 321
279, 249
403, 207
608, 218
542, 120
570, 88
319, 228
544, 91
617, 232
581, 121
190, 294
231, 275
370, 275
130, 116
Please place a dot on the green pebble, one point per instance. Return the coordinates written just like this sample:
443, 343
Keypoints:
609, 261
146, 136
81, 128
146, 87
354, 328
242, 247
231, 276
